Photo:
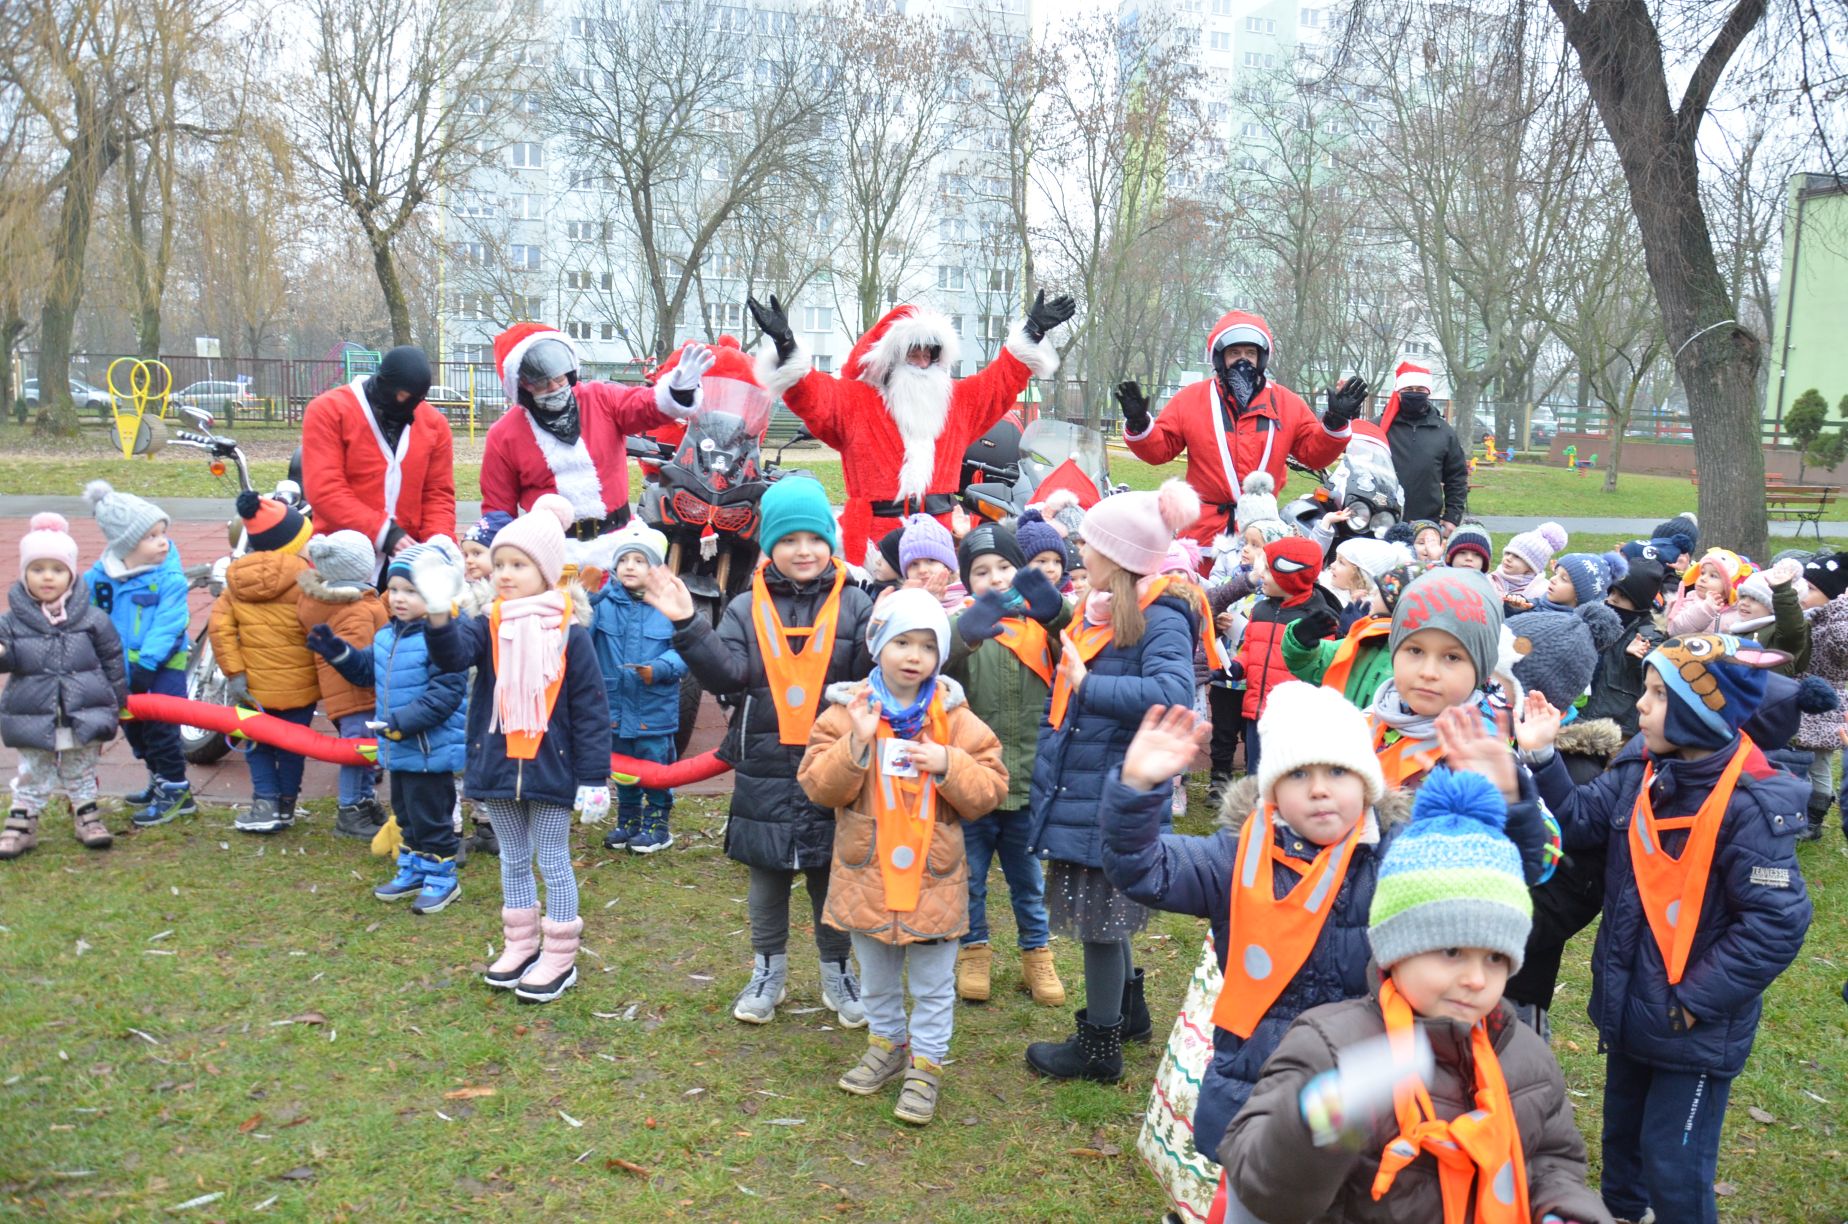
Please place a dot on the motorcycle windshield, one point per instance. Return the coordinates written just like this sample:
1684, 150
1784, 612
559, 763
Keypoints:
1045, 444
1366, 471
744, 405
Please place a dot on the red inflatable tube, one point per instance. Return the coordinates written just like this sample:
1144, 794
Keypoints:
262, 728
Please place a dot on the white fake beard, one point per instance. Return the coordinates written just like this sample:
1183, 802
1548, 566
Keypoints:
918, 400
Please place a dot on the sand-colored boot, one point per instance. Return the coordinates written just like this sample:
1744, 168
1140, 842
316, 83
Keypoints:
1040, 978
973, 963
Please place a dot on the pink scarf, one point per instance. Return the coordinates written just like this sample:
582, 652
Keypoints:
56, 611
1097, 603
532, 656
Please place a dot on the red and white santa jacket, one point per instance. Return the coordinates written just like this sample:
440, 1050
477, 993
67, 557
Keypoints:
1223, 449
521, 461
355, 482
884, 460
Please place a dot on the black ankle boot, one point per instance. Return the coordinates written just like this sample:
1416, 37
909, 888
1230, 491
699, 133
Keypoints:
1094, 1053
1136, 1023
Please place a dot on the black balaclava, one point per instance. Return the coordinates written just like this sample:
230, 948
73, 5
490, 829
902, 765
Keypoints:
404, 368
1241, 380
558, 416
1414, 404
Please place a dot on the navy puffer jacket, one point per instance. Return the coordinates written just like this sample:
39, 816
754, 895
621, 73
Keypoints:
772, 823
576, 749
1121, 685
425, 706
65, 675
1752, 919
1193, 875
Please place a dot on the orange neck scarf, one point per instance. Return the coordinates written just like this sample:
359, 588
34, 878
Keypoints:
1342, 665
1482, 1145
1397, 761
1088, 640
1672, 889
1026, 637
904, 816
796, 678
1271, 937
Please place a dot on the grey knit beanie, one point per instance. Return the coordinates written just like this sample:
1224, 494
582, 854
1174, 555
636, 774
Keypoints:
343, 559
123, 517
1461, 603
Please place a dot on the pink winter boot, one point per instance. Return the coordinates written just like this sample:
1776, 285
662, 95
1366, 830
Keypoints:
556, 969
519, 949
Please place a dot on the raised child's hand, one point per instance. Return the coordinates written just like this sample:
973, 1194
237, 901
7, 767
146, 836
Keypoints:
863, 716
666, 594
1070, 665
1165, 747
1468, 746
1538, 726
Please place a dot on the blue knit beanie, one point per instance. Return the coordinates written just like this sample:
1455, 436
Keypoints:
1715, 683
1035, 536
1592, 574
796, 503
485, 528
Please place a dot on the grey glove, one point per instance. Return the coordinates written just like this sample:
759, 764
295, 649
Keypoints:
237, 691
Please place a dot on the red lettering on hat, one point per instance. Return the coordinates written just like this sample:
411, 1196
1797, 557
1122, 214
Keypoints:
1427, 600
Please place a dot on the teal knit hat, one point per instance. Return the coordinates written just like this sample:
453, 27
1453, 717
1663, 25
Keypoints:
1451, 878
796, 503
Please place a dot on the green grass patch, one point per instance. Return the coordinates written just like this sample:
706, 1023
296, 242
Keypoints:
338, 1058
1554, 492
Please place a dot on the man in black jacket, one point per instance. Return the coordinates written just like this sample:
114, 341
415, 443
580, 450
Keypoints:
1432, 467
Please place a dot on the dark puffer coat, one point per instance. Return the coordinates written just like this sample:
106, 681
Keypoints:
772, 823
1753, 917
67, 675
1074, 762
1193, 875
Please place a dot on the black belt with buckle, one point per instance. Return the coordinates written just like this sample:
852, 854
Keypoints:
930, 503
587, 529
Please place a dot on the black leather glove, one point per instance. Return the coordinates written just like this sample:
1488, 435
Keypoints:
774, 322
325, 642
393, 534
1047, 315
1312, 627
141, 679
1135, 407
1344, 404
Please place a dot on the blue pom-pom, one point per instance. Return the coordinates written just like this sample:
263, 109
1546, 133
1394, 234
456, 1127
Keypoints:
1620, 565
1816, 696
1447, 795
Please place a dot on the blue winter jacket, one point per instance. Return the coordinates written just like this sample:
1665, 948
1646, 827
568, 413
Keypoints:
1193, 875
1073, 763
1752, 920
576, 748
628, 632
148, 610
427, 707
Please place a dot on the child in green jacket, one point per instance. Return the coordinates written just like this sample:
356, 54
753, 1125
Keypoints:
1360, 662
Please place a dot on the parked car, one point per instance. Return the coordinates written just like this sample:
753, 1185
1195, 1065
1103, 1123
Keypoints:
85, 396
442, 393
211, 397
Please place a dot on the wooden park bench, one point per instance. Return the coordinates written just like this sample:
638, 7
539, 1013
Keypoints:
1800, 503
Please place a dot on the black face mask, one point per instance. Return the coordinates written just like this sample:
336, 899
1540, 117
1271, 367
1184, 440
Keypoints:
1241, 381
1414, 404
404, 368
561, 423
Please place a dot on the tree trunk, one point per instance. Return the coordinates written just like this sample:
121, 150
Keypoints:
12, 327
399, 310
90, 156
1717, 359
148, 283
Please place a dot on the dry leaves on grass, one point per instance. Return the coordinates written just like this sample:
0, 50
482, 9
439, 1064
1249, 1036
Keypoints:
1762, 1115
471, 1092
618, 1164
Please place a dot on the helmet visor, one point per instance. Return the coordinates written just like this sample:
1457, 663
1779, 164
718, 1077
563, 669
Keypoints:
544, 363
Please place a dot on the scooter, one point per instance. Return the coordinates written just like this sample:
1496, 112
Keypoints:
1051, 454
204, 680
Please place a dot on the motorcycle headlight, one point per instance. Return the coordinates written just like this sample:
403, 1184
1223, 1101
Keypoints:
1384, 520
1359, 516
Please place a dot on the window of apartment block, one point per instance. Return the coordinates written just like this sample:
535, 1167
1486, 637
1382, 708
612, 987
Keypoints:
956, 325
523, 257
1222, 8
1001, 280
472, 252
949, 277
526, 155
578, 331
1222, 41
818, 318
1260, 25
1312, 18
823, 362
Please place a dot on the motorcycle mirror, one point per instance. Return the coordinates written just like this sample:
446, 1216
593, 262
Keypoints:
197, 416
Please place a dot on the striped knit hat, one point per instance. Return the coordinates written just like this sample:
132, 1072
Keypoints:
1451, 878
271, 525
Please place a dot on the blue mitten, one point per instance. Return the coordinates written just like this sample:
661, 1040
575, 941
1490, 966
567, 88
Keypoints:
981, 620
1043, 599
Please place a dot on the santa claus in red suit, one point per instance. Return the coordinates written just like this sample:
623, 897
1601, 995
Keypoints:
566, 436
378, 460
1239, 421
900, 422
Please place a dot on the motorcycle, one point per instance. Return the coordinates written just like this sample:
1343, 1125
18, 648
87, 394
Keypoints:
1363, 484
1050, 454
702, 493
204, 680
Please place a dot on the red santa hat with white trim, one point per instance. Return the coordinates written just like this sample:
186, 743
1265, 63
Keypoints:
1406, 375
513, 344
902, 329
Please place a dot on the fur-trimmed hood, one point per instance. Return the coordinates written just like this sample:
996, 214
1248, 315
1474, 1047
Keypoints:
315, 587
1600, 738
1241, 799
841, 692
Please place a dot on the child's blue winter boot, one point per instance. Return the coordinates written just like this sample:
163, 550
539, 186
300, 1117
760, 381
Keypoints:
408, 880
167, 801
439, 886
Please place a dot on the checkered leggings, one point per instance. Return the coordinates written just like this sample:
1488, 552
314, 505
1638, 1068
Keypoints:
530, 832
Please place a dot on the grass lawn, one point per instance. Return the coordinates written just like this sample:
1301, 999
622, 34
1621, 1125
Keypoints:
199, 1013
1554, 492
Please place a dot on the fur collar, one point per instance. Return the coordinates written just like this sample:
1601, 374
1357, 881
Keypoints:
315, 587
1601, 738
1241, 798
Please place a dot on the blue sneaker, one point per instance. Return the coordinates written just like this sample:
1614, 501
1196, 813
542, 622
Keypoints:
653, 835
627, 825
169, 800
408, 880
439, 886
144, 795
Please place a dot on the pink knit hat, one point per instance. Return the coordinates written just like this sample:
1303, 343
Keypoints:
1135, 529
48, 538
540, 534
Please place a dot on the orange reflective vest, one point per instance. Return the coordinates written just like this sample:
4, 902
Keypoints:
1397, 761
796, 678
1269, 938
1483, 1145
904, 815
1087, 640
1672, 889
1026, 637
524, 745
1342, 665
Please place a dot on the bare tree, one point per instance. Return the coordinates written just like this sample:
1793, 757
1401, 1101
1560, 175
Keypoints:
693, 110
400, 98
1008, 70
1627, 50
